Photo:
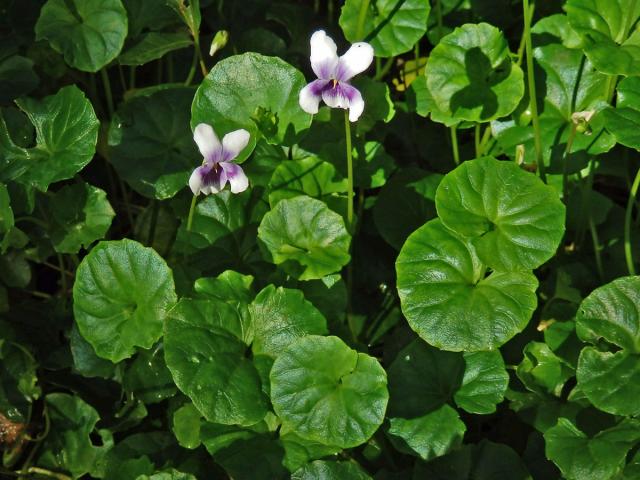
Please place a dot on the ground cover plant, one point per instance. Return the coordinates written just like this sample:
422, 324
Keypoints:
390, 239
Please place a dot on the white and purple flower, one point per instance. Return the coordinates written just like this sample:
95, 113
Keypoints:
334, 73
217, 167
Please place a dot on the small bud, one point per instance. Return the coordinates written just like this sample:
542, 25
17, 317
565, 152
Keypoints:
581, 121
520, 154
219, 41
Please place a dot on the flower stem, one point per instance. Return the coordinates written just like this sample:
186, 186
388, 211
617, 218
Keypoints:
565, 160
362, 15
628, 253
107, 89
192, 209
454, 144
192, 70
596, 246
528, 15
347, 129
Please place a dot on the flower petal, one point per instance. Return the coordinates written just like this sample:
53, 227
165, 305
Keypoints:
311, 95
238, 181
233, 143
207, 141
195, 181
324, 56
356, 106
355, 60
209, 178
345, 96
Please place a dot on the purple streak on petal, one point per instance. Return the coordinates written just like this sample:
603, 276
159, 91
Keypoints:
318, 86
342, 73
325, 70
214, 178
238, 181
339, 95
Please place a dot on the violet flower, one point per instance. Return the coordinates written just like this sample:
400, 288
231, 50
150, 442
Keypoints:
217, 168
334, 74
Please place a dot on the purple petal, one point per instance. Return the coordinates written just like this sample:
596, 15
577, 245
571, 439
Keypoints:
207, 141
343, 95
209, 178
238, 181
356, 60
311, 95
324, 56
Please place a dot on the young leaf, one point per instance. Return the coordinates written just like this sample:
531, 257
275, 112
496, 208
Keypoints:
326, 470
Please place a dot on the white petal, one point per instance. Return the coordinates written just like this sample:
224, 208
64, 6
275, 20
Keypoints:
355, 60
207, 141
233, 143
357, 105
238, 181
324, 56
311, 95
195, 181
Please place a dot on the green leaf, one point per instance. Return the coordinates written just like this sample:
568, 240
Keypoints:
154, 45
611, 381
17, 78
79, 214
229, 99
148, 377
422, 379
18, 380
88, 34
326, 470
604, 27
68, 446
327, 392
582, 458
431, 435
85, 360
186, 426
150, 144
121, 297
171, 474
372, 169
624, 125
280, 316
305, 234
66, 135
542, 371
266, 456
205, 353
300, 451
448, 299
391, 27
411, 191
484, 382
379, 106
470, 74
307, 176
6, 214
509, 231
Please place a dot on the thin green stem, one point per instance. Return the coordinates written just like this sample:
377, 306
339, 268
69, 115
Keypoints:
476, 139
565, 160
347, 131
611, 87
485, 140
107, 89
528, 14
381, 72
132, 78
628, 253
362, 15
192, 70
203, 67
125, 199
192, 209
63, 276
596, 246
48, 473
123, 84
155, 207
454, 144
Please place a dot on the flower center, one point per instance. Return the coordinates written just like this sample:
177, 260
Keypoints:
335, 83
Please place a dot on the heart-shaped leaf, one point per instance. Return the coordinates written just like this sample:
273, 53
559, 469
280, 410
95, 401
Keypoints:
327, 392
471, 76
121, 296
450, 302
88, 34
254, 92
484, 382
153, 45
66, 135
514, 220
303, 232
391, 27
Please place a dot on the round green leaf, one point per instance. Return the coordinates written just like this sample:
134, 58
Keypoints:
431, 435
484, 382
148, 377
305, 234
612, 312
542, 371
515, 220
470, 74
79, 214
66, 136
326, 470
121, 296
150, 144
254, 92
154, 45
300, 451
206, 356
611, 381
624, 125
327, 392
88, 33
604, 27
391, 27
279, 317
448, 300
186, 426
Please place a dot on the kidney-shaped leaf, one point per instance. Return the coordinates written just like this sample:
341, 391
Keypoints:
604, 27
515, 220
305, 234
447, 299
470, 74
66, 135
88, 33
206, 356
391, 27
327, 392
254, 92
121, 296
484, 382
327, 470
